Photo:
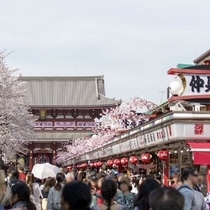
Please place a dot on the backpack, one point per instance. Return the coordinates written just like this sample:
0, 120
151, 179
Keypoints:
186, 187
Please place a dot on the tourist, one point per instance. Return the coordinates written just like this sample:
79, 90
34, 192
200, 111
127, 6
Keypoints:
21, 197
98, 192
70, 177
49, 183
76, 196
22, 176
198, 197
108, 192
158, 178
35, 190
113, 177
93, 184
135, 185
125, 197
11, 180
193, 199
2, 187
142, 199
166, 198
175, 178
54, 196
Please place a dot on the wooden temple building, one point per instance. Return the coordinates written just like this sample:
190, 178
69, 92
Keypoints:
65, 109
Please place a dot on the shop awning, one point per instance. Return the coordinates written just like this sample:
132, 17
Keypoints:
201, 152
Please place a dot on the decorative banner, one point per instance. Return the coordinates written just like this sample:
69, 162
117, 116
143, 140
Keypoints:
147, 166
43, 124
63, 124
86, 124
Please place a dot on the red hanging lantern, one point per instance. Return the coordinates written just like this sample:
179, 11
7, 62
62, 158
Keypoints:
69, 167
110, 163
95, 164
146, 157
133, 159
117, 162
84, 165
163, 155
125, 166
124, 161
99, 164
91, 165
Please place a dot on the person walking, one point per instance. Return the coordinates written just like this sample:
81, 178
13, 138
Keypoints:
125, 197
108, 192
142, 199
76, 196
20, 198
54, 196
194, 200
35, 190
166, 198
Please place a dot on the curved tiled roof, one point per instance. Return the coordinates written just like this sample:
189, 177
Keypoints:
203, 56
67, 92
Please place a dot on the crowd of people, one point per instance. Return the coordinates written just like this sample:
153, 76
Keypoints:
98, 191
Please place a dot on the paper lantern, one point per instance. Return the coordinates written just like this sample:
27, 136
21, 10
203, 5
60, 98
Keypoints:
110, 163
84, 165
146, 157
125, 166
117, 162
95, 164
133, 159
163, 155
99, 164
91, 165
124, 161
69, 167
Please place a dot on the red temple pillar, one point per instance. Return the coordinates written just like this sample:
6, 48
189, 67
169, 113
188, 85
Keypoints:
53, 157
31, 160
165, 173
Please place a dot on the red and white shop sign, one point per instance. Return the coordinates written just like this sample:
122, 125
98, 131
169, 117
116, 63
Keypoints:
193, 131
155, 137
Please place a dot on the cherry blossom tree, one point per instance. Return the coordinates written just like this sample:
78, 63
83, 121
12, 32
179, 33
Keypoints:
16, 122
113, 122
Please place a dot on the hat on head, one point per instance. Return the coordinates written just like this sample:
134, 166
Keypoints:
125, 180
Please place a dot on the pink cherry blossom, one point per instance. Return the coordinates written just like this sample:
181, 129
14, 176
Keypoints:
16, 122
113, 121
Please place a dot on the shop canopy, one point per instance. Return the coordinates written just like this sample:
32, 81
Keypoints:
201, 152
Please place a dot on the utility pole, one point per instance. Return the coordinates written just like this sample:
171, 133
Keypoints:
162, 92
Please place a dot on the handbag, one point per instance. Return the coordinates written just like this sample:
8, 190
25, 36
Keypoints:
44, 204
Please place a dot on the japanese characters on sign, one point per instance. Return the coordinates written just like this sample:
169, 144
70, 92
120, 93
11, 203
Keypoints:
64, 124
40, 124
197, 84
86, 124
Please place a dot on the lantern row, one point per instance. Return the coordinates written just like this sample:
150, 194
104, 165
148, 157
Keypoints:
145, 158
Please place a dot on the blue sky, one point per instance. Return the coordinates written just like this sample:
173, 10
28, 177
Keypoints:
131, 42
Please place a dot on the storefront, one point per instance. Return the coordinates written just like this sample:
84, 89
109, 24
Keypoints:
174, 132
